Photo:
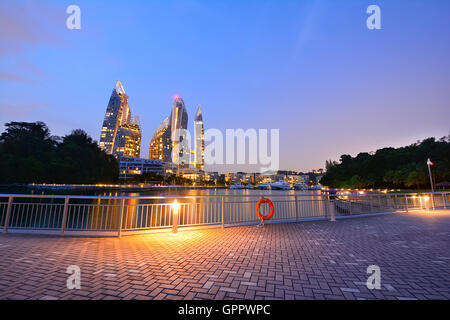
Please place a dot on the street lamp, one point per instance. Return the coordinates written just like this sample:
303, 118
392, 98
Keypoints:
429, 163
175, 210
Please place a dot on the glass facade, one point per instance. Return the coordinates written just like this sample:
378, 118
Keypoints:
199, 140
179, 120
117, 114
119, 136
161, 144
128, 141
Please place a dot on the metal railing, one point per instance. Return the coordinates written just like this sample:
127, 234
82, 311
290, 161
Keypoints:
347, 203
123, 215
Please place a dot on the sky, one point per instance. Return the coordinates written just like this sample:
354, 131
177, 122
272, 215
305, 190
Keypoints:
311, 69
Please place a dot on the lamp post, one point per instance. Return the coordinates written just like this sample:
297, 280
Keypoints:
429, 164
175, 211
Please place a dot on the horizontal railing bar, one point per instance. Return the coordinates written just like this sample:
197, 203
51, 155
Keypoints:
280, 201
157, 197
325, 194
38, 203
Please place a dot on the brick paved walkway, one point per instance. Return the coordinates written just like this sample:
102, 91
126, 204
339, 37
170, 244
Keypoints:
311, 260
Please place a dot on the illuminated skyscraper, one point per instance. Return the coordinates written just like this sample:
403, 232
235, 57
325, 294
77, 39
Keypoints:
161, 144
128, 141
117, 114
199, 140
178, 127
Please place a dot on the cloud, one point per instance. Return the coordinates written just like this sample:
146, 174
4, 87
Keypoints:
26, 66
25, 25
14, 77
18, 111
28, 23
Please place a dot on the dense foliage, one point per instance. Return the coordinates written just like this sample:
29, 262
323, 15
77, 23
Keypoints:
29, 154
392, 168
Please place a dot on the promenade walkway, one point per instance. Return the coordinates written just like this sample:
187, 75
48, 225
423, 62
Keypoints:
310, 260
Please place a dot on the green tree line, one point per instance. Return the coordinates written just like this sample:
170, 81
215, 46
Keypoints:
403, 167
30, 154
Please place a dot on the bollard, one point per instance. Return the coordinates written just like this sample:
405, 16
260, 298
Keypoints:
175, 211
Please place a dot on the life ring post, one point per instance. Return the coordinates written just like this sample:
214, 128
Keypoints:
258, 212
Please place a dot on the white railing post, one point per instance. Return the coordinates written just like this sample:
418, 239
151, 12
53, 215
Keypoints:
371, 204
296, 208
64, 218
426, 203
444, 200
223, 212
331, 209
432, 200
8, 213
406, 203
122, 204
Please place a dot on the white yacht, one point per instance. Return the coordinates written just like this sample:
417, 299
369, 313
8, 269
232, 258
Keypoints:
300, 185
280, 185
237, 186
264, 186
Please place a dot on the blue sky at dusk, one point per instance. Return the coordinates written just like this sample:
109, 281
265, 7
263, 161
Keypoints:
309, 68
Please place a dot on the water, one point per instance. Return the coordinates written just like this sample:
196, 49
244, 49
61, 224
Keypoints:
153, 191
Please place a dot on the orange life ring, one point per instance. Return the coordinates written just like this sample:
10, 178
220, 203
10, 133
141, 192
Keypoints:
258, 213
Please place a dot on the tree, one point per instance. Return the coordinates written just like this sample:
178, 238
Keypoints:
403, 167
29, 154
26, 150
80, 160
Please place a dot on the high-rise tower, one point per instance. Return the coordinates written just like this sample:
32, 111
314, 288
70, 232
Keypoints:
117, 114
178, 127
161, 144
128, 140
199, 140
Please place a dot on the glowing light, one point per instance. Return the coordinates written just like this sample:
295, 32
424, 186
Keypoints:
175, 210
426, 198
